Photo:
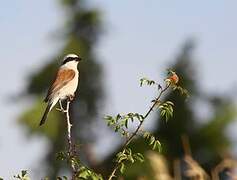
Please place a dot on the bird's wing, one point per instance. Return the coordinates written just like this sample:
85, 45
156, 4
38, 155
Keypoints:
62, 78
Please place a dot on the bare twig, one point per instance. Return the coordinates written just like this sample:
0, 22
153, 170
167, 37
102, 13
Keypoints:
69, 140
129, 139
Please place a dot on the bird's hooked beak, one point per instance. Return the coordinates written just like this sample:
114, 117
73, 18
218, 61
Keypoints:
78, 59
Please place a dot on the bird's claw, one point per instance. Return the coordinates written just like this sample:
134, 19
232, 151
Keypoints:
61, 110
71, 97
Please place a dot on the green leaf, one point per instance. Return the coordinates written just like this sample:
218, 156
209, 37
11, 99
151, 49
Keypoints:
170, 103
146, 134
157, 145
23, 172
22, 176
154, 146
139, 157
122, 168
166, 110
130, 158
146, 81
181, 90
122, 158
118, 117
87, 174
117, 128
152, 140
129, 150
61, 155
110, 120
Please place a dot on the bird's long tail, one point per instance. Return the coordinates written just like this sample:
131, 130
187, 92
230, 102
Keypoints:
47, 110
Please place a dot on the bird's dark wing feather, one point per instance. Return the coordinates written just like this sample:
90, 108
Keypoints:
62, 78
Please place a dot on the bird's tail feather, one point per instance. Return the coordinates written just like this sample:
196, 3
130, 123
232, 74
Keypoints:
48, 108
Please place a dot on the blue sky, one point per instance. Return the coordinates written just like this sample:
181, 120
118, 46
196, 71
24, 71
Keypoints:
141, 37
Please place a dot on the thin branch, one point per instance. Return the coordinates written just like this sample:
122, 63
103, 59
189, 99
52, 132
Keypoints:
129, 140
69, 140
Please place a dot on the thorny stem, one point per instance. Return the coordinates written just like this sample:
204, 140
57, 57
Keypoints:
69, 139
128, 141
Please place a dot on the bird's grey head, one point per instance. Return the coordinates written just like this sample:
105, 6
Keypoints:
71, 57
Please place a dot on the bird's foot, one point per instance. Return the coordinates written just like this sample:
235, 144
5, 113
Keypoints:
61, 110
71, 97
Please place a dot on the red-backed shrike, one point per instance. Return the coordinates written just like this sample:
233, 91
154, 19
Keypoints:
64, 84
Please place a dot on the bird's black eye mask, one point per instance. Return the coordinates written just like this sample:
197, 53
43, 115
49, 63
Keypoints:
71, 59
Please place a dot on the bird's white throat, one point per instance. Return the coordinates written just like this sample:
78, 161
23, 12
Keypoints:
71, 65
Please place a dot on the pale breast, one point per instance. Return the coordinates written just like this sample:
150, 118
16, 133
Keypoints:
69, 88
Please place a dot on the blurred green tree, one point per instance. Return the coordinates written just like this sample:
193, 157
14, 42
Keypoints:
81, 31
207, 138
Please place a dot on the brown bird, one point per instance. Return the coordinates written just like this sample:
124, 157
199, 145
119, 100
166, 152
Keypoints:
64, 84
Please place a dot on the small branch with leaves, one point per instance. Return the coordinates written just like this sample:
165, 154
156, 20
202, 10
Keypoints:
120, 122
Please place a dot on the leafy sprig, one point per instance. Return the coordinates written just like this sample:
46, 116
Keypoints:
128, 156
22, 176
146, 81
82, 172
120, 122
152, 141
166, 109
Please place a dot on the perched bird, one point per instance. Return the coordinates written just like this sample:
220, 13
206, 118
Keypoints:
64, 84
